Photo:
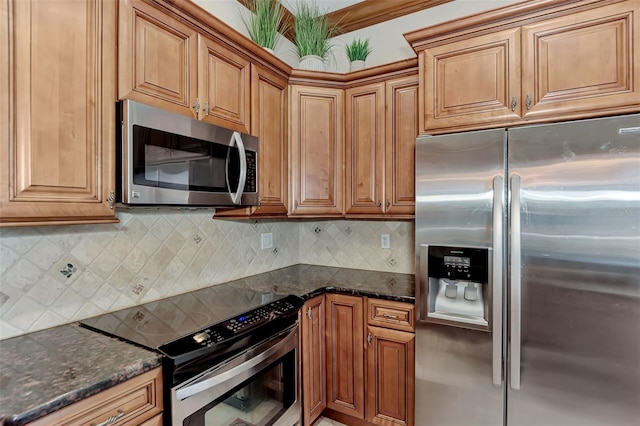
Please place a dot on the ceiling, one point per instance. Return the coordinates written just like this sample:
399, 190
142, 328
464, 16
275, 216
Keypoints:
353, 15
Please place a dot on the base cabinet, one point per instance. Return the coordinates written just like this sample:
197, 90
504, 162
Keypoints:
138, 401
314, 373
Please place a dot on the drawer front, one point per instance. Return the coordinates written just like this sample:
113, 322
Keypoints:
390, 314
129, 403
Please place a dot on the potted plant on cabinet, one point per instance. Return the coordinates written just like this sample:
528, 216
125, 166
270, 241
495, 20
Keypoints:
357, 52
266, 21
313, 31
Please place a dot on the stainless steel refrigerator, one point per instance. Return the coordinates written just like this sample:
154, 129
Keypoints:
528, 275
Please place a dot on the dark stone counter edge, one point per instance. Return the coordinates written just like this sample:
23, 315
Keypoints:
69, 398
156, 361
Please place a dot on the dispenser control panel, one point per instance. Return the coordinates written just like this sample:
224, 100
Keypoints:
458, 263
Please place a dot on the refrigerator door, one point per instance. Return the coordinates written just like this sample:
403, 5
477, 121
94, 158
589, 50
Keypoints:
455, 177
574, 353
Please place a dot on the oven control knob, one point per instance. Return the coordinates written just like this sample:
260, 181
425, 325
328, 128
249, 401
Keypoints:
201, 337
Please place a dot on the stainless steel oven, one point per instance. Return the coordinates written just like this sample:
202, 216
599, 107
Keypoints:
258, 387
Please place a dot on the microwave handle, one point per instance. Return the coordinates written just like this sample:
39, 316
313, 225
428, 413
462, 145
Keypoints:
236, 139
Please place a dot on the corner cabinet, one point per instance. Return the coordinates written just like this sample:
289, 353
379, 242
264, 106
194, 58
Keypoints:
526, 63
316, 151
314, 373
59, 132
137, 401
381, 129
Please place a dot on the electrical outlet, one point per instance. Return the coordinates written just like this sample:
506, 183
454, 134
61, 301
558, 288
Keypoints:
385, 241
267, 240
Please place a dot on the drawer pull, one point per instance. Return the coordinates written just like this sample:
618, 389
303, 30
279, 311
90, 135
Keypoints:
389, 316
111, 420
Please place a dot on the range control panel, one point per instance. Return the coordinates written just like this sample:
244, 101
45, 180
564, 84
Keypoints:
232, 328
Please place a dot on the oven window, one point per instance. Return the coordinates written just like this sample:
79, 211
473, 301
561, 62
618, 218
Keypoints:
259, 401
167, 160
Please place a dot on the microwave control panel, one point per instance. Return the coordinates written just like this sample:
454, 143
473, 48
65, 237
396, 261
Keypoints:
251, 184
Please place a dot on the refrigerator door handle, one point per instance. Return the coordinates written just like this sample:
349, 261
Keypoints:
515, 268
498, 200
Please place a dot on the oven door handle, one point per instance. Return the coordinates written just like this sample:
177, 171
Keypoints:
216, 378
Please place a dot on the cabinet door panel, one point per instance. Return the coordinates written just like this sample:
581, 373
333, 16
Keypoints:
471, 82
59, 153
401, 134
364, 153
314, 373
157, 62
224, 83
345, 354
583, 62
317, 151
390, 376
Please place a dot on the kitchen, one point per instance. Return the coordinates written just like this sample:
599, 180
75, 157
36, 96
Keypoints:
157, 253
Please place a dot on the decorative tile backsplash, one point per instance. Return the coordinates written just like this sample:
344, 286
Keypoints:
55, 275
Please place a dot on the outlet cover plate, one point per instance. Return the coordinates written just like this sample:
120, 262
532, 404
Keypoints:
385, 241
266, 240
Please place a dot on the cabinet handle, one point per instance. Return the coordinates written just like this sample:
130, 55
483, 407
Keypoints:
527, 102
390, 316
379, 203
295, 204
111, 199
309, 312
369, 338
514, 103
111, 419
388, 204
259, 203
196, 106
206, 108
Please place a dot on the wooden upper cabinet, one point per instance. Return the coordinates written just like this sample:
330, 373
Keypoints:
364, 149
314, 367
224, 86
345, 354
583, 62
157, 58
471, 82
400, 145
526, 63
58, 114
316, 151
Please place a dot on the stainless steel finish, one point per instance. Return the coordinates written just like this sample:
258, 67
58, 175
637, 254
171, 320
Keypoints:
580, 277
111, 420
514, 103
206, 108
527, 102
309, 313
515, 288
111, 199
498, 235
190, 396
625, 130
454, 207
144, 115
196, 106
237, 141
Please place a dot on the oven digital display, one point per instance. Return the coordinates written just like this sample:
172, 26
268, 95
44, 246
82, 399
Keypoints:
457, 261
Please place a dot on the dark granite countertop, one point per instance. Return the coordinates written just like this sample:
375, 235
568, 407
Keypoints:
47, 370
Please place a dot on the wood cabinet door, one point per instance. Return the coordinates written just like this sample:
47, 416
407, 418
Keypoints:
314, 373
471, 82
58, 114
400, 146
157, 58
345, 354
316, 151
390, 376
224, 86
583, 63
364, 149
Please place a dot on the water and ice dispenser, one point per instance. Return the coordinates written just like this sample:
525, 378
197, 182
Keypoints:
455, 286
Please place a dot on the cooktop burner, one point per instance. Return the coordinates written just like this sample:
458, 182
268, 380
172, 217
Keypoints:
156, 323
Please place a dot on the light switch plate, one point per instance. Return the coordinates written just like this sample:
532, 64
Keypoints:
385, 241
267, 240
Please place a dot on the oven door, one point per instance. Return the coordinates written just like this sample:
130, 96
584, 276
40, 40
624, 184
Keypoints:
258, 387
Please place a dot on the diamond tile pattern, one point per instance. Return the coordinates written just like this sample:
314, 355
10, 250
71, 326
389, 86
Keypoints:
55, 275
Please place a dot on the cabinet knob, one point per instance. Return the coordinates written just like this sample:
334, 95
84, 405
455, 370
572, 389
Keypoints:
111, 199
388, 204
196, 106
379, 203
527, 102
295, 204
309, 312
369, 338
206, 108
514, 103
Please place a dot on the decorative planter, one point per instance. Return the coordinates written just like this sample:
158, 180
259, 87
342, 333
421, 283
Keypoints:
269, 50
312, 62
356, 65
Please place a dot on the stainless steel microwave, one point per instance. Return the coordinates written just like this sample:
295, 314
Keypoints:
165, 158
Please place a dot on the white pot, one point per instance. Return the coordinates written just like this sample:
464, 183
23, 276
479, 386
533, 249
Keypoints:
269, 50
356, 65
312, 62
